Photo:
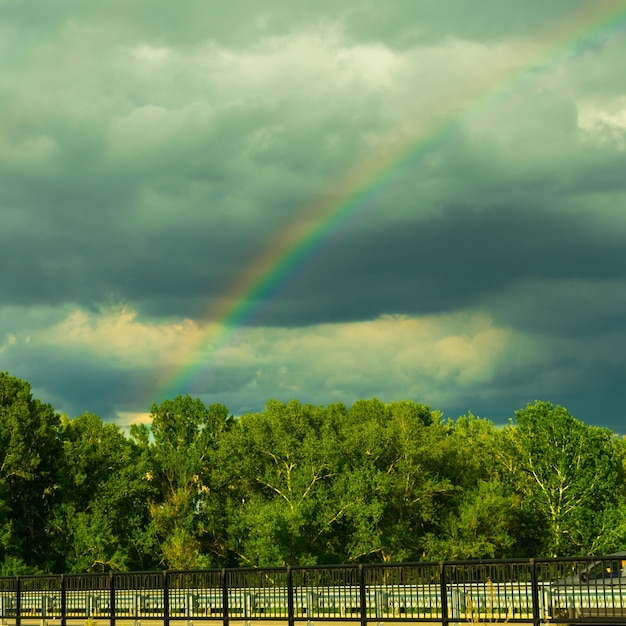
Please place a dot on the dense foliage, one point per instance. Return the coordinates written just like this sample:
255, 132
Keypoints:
300, 484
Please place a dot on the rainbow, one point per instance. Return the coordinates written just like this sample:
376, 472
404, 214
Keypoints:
298, 243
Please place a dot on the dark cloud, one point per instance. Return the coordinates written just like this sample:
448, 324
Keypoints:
456, 260
151, 155
74, 384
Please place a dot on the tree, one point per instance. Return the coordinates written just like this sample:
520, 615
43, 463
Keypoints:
277, 467
483, 517
102, 516
185, 438
611, 535
568, 474
395, 482
29, 453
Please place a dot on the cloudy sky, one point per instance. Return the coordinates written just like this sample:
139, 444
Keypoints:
327, 201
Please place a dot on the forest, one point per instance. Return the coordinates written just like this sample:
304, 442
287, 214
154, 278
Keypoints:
300, 484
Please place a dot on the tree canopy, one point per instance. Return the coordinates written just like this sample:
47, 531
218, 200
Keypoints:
299, 484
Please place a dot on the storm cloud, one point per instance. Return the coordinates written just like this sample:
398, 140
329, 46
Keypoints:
152, 155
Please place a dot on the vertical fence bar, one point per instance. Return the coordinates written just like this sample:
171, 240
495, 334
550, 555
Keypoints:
112, 607
534, 581
362, 595
166, 599
443, 588
291, 617
224, 598
63, 601
18, 602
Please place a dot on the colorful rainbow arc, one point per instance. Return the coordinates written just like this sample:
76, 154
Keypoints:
297, 243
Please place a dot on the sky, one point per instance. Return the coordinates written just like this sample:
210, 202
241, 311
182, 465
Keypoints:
326, 201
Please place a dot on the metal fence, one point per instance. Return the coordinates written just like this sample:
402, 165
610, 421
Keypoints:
541, 591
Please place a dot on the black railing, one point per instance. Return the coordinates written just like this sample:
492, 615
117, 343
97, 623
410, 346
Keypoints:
560, 591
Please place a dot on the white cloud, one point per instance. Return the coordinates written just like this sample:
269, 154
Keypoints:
395, 356
125, 419
10, 340
375, 64
117, 335
613, 114
604, 124
150, 53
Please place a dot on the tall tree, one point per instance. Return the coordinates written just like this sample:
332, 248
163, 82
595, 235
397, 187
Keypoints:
102, 517
394, 482
277, 466
568, 474
483, 517
29, 454
185, 436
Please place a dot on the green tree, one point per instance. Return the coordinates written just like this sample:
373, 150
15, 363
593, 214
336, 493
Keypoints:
483, 518
609, 532
483, 521
29, 452
568, 474
277, 466
395, 482
102, 517
186, 518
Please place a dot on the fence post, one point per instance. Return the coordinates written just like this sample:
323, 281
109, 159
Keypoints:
291, 618
18, 602
112, 608
362, 595
443, 588
63, 601
166, 599
224, 598
535, 593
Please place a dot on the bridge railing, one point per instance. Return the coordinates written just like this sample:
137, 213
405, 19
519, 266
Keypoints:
558, 591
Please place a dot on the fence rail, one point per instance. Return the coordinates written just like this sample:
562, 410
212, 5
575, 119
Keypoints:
539, 591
